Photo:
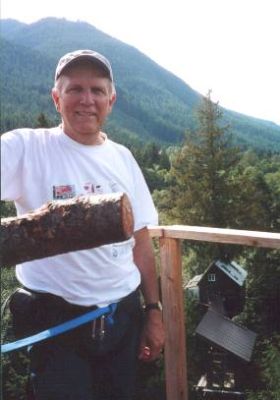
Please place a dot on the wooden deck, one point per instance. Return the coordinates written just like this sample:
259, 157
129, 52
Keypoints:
170, 238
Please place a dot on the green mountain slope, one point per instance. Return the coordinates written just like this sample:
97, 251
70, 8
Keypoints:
152, 104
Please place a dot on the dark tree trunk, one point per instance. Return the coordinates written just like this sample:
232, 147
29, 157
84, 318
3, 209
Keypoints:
67, 225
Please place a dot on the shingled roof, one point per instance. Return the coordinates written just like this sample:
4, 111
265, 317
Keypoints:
223, 332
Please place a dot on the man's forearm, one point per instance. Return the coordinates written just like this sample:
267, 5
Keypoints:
145, 261
152, 337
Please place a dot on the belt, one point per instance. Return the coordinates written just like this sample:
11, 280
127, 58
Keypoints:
91, 315
58, 329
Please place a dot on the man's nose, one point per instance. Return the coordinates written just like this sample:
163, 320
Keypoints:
87, 97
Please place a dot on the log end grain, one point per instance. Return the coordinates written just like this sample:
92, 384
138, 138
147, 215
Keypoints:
127, 217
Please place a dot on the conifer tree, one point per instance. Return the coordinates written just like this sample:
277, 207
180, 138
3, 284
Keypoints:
42, 121
201, 171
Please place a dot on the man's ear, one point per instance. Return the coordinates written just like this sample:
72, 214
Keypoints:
112, 100
55, 98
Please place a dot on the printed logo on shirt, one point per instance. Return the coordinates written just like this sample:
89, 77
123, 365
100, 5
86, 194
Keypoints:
64, 192
89, 187
98, 189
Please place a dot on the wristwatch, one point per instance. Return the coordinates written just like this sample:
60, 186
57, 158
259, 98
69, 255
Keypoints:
153, 306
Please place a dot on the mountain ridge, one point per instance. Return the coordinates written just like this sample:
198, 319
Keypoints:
152, 103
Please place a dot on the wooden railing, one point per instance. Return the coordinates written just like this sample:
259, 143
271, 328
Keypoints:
172, 290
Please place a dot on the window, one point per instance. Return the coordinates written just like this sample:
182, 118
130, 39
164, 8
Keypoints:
211, 277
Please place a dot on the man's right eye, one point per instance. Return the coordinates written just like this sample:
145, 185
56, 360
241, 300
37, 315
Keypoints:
74, 90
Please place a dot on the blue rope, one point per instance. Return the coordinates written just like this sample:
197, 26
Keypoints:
57, 330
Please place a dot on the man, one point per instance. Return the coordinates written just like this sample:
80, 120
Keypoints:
96, 361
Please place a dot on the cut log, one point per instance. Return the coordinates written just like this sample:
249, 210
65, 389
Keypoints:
62, 226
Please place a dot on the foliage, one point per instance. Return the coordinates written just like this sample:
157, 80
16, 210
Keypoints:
258, 180
42, 121
154, 162
269, 361
196, 349
271, 364
153, 104
200, 184
7, 209
210, 183
14, 365
201, 170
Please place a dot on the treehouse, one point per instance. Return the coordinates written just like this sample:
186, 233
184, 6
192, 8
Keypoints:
221, 286
220, 291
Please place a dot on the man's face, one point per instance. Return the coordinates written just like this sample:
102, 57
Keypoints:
84, 98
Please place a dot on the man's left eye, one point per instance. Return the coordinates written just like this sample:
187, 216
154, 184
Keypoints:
97, 91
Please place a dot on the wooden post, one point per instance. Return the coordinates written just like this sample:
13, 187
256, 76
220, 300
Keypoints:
173, 317
62, 226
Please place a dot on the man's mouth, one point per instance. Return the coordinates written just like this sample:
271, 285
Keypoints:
86, 114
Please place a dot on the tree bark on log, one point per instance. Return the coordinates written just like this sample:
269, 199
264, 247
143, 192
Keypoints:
62, 226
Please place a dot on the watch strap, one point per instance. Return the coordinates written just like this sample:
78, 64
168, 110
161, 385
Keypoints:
153, 306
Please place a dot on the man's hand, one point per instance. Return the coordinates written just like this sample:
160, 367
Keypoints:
152, 337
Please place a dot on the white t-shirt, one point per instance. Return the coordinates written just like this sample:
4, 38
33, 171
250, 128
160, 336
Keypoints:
42, 165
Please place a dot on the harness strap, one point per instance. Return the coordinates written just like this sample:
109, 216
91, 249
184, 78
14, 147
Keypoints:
58, 329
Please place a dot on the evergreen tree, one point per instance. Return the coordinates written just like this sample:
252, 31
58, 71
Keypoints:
42, 121
202, 172
201, 189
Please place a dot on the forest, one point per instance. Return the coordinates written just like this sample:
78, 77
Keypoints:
152, 103
206, 181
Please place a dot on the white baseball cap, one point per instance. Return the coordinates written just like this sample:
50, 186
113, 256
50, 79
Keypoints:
71, 58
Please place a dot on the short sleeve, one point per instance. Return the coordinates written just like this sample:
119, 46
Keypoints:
12, 150
144, 209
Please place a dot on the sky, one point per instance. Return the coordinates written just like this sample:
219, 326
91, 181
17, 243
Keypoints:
231, 47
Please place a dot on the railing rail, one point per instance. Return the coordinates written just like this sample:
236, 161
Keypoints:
218, 235
172, 290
